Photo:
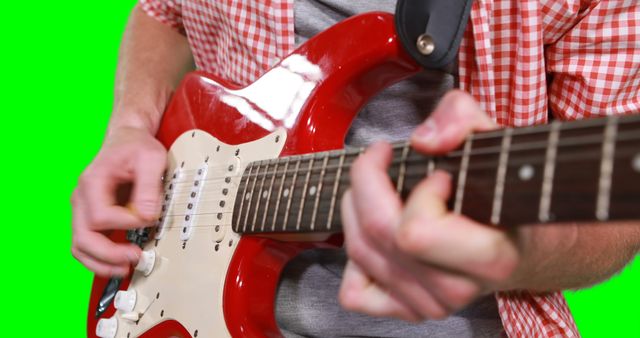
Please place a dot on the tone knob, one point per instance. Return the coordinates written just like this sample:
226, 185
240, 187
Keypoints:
107, 328
125, 300
147, 262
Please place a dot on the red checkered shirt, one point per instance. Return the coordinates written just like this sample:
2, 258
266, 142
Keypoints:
519, 59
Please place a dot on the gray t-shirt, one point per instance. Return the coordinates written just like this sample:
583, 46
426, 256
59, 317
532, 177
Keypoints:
306, 304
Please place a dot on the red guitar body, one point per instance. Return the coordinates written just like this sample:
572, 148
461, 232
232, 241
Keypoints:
341, 69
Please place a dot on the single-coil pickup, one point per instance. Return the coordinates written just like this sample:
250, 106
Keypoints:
192, 203
169, 191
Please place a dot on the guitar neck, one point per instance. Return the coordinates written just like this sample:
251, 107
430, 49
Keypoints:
586, 170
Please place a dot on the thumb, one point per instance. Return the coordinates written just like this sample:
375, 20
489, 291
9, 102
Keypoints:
456, 116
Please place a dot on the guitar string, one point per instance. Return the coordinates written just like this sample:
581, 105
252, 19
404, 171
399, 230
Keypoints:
424, 159
493, 150
476, 165
497, 134
297, 201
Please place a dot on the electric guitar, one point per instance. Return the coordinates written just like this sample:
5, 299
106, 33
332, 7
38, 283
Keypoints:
268, 158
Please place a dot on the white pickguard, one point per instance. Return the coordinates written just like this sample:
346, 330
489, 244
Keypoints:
186, 284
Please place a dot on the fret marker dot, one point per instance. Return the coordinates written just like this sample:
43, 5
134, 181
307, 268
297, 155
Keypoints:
247, 196
285, 193
312, 190
526, 172
264, 194
636, 163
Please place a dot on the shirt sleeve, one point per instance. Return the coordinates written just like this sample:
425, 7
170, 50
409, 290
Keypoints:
169, 12
595, 65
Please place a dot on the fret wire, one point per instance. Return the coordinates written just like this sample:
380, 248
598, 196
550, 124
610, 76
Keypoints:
519, 147
606, 169
483, 165
568, 125
251, 196
279, 197
590, 155
335, 191
549, 168
319, 192
266, 208
431, 166
581, 141
462, 175
293, 183
498, 194
403, 167
261, 196
242, 197
258, 204
304, 193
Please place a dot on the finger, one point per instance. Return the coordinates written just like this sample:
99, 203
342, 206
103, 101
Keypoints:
100, 268
428, 198
385, 272
358, 293
455, 117
147, 188
100, 247
97, 193
452, 290
459, 244
447, 240
376, 202
97, 245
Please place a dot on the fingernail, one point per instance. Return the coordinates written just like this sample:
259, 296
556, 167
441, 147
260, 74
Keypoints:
426, 132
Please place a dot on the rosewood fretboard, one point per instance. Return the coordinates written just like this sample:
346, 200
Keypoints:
565, 171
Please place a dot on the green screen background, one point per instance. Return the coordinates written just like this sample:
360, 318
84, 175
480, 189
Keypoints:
58, 66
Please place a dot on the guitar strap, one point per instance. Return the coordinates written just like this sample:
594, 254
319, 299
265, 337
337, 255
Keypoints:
431, 30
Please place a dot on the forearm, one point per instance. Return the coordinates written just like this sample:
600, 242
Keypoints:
570, 256
153, 58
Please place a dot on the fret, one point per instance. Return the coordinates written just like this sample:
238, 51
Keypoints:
549, 167
250, 196
523, 178
480, 173
270, 191
500, 177
576, 173
261, 195
606, 168
291, 191
462, 175
279, 196
246, 179
334, 192
625, 193
403, 168
319, 191
304, 193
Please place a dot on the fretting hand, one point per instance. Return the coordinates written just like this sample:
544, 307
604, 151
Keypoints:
416, 260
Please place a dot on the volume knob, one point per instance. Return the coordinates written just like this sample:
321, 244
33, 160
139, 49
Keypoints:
125, 300
107, 328
147, 262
